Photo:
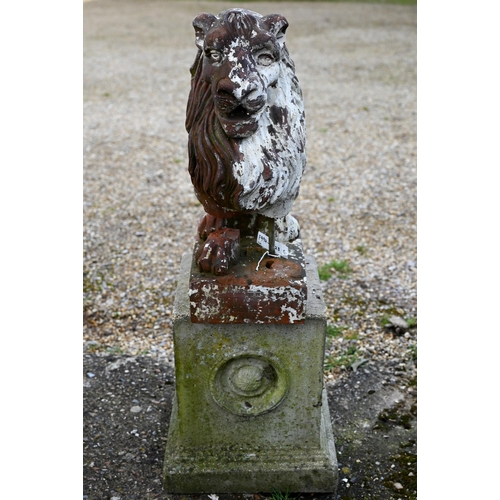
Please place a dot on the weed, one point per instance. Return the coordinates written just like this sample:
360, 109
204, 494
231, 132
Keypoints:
106, 94
329, 363
278, 495
361, 249
344, 360
351, 350
324, 273
116, 349
331, 199
333, 331
411, 322
94, 348
341, 266
336, 331
384, 321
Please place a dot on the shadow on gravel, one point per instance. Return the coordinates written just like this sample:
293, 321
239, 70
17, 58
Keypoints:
127, 405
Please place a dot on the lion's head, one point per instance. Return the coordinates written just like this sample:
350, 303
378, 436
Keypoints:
241, 56
245, 116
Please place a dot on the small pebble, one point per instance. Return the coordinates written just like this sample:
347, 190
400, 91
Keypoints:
398, 322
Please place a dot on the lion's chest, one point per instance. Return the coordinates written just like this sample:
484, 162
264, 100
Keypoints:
272, 162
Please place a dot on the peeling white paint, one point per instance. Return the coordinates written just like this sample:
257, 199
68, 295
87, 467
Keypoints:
292, 314
210, 303
280, 145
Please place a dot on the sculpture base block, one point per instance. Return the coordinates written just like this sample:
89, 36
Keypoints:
271, 290
230, 469
250, 413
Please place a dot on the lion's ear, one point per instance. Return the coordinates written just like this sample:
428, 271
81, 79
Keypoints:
277, 25
202, 23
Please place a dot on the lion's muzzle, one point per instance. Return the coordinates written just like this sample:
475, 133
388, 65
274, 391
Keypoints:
237, 104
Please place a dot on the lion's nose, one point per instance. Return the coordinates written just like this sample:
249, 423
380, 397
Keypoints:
244, 90
227, 86
248, 91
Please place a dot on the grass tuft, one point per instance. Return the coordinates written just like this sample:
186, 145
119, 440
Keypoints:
342, 361
278, 495
411, 322
341, 266
333, 331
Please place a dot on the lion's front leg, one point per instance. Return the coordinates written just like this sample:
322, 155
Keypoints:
219, 252
208, 224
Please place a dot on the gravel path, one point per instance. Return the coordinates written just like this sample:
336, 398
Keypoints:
357, 68
357, 208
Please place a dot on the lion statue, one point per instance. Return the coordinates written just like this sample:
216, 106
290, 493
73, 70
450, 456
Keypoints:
246, 125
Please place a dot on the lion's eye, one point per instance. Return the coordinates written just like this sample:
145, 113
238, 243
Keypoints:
265, 59
214, 56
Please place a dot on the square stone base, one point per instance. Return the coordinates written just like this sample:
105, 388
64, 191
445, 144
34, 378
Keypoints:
250, 413
233, 469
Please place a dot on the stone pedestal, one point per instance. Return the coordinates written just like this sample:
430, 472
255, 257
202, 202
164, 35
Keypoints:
250, 412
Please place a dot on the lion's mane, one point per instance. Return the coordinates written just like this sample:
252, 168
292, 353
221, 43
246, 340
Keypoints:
211, 151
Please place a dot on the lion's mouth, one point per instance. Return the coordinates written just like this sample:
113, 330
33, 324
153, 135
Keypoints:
239, 122
239, 113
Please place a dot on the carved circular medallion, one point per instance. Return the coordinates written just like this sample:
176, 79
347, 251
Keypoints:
249, 384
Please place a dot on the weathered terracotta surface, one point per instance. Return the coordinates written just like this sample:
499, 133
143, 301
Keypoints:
246, 125
275, 293
221, 250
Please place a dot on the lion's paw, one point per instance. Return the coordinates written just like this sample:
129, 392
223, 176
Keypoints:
219, 252
287, 229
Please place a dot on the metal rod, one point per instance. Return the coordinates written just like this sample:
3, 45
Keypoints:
271, 237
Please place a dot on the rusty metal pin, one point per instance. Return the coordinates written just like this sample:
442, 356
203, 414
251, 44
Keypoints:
271, 237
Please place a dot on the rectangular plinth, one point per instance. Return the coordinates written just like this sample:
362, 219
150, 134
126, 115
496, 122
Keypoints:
236, 469
273, 290
250, 412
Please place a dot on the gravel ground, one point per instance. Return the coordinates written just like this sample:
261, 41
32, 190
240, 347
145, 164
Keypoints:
357, 67
127, 407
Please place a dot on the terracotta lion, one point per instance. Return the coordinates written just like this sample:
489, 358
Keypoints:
246, 125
